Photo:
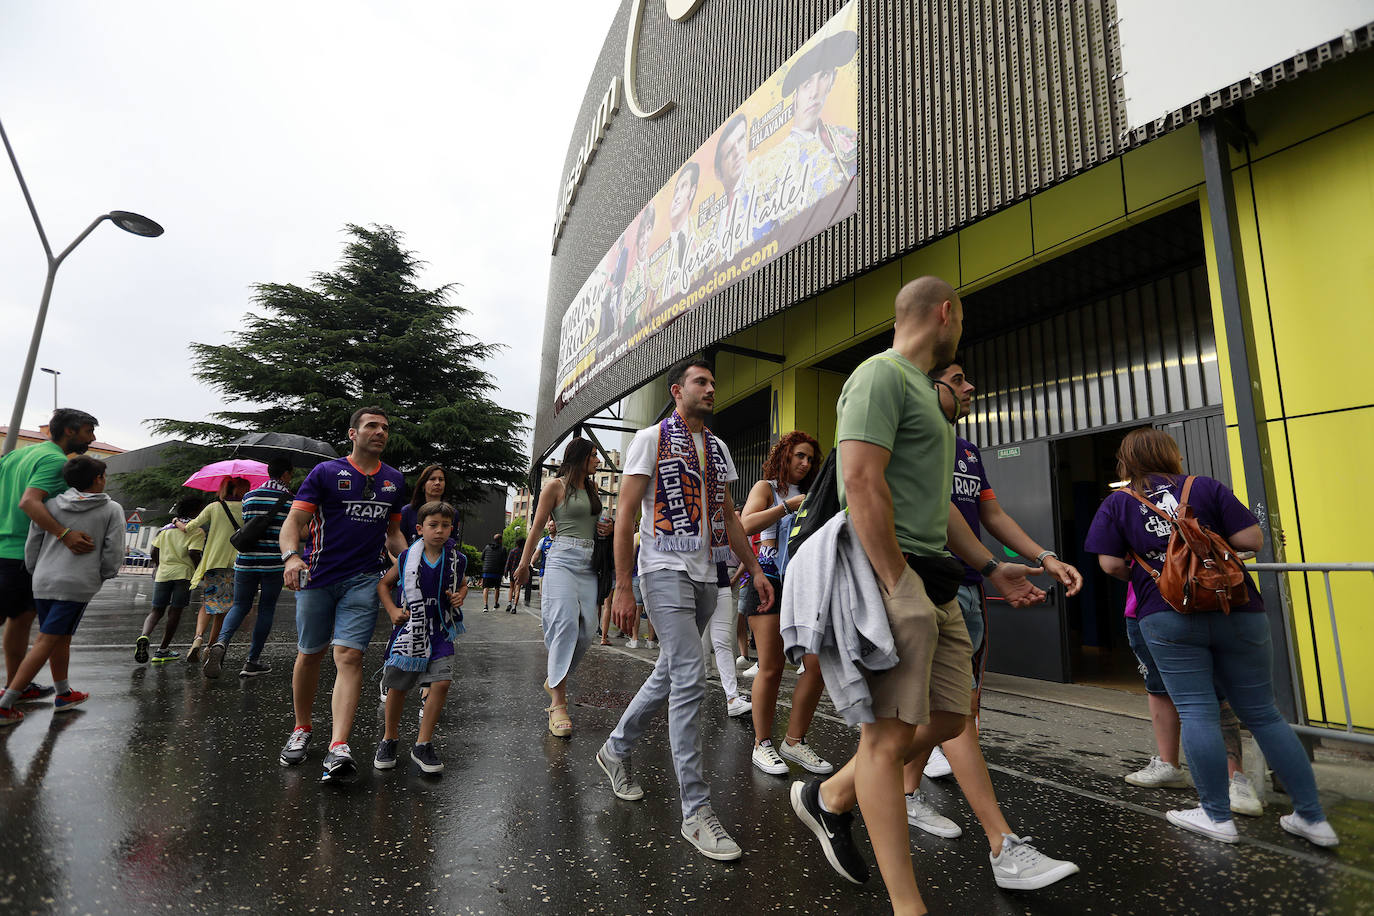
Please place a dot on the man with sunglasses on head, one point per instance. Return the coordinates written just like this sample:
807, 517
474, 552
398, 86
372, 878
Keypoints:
352, 507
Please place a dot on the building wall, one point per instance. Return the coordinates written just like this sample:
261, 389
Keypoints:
1305, 194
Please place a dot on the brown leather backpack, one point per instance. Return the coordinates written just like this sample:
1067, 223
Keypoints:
1201, 571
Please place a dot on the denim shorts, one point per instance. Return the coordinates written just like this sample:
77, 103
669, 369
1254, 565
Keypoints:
439, 670
342, 612
16, 588
172, 593
1154, 681
59, 618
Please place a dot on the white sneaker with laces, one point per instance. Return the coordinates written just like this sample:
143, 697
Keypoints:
937, 765
919, 813
1319, 833
1022, 867
704, 831
1244, 799
752, 671
738, 706
766, 759
741, 661
1157, 774
801, 754
1198, 821
632, 644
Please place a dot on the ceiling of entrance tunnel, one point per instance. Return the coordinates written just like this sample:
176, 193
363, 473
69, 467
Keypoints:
1145, 251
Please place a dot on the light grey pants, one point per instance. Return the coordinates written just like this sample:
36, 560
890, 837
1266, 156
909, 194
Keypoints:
718, 642
679, 608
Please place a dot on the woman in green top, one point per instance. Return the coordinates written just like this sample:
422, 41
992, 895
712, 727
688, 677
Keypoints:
220, 519
568, 590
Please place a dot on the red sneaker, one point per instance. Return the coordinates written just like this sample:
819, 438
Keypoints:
64, 701
10, 716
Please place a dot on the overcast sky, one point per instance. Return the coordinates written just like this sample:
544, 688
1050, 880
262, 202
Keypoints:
253, 132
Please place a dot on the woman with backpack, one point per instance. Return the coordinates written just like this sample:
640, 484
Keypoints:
1201, 650
220, 519
787, 475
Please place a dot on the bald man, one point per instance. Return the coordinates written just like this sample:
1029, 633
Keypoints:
896, 459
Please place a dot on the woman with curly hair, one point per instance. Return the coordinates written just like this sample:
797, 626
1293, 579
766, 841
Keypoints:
787, 475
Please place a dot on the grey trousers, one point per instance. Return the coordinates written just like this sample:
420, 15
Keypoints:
679, 608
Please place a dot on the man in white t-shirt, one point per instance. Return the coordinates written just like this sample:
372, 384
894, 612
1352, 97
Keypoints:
679, 588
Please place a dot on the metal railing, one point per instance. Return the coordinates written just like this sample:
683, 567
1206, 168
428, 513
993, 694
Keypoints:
1326, 569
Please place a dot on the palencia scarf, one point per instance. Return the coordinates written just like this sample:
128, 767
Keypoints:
410, 649
678, 486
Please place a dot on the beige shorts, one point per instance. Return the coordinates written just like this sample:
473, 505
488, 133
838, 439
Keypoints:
935, 656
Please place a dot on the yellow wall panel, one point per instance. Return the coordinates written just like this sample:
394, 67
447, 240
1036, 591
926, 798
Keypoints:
770, 337
1319, 101
1078, 206
828, 395
835, 318
1316, 208
799, 332
940, 258
1335, 524
1162, 168
874, 294
995, 243
727, 381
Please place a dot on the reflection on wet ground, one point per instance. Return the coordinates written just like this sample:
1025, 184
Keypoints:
164, 792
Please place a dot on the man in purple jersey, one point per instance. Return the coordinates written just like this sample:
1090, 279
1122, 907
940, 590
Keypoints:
973, 496
353, 508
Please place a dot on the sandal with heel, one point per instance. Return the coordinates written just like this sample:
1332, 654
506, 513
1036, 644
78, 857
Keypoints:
560, 725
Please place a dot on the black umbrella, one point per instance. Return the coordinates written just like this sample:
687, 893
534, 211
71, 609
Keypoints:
303, 451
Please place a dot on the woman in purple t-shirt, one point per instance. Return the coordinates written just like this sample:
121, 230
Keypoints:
1194, 651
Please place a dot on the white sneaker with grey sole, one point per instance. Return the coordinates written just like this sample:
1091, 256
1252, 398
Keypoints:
937, 765
766, 759
919, 813
1198, 821
1319, 833
802, 755
1158, 774
1022, 867
1244, 799
704, 831
738, 706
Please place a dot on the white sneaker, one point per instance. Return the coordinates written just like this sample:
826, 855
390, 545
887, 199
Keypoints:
1022, 867
752, 671
766, 759
937, 765
1158, 774
632, 644
738, 706
650, 644
1319, 833
1197, 820
919, 813
1244, 799
801, 669
704, 831
741, 661
801, 753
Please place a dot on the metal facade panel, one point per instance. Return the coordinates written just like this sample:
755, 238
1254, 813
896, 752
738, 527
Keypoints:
965, 108
1049, 377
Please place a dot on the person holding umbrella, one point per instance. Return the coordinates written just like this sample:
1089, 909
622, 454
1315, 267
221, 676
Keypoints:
220, 519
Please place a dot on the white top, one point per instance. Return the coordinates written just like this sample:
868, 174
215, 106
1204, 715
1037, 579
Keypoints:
771, 532
642, 458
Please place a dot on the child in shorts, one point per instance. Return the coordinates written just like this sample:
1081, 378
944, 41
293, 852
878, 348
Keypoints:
65, 582
176, 554
432, 583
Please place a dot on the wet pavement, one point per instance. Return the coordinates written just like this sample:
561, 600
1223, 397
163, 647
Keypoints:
164, 793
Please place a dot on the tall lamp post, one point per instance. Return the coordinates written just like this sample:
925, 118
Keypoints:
129, 222
54, 373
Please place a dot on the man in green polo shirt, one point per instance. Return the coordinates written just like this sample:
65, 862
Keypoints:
28, 476
896, 458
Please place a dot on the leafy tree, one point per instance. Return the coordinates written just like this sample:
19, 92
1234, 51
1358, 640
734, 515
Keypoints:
364, 333
513, 531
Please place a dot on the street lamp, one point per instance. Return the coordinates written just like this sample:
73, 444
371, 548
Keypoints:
54, 373
129, 222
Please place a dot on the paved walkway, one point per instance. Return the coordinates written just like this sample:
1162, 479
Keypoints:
164, 793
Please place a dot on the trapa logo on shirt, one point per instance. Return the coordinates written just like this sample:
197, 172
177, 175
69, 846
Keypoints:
364, 511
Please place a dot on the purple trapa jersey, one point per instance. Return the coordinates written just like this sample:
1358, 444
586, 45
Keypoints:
348, 532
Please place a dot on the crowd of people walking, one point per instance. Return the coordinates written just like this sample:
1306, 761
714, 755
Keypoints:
881, 605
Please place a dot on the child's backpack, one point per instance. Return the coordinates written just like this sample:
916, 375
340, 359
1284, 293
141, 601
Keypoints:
1201, 571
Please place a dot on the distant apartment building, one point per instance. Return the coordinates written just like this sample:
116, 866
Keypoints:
607, 484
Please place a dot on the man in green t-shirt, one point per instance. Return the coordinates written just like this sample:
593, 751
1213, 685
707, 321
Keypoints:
28, 476
895, 462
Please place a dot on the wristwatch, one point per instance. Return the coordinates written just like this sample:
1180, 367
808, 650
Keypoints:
289, 554
989, 567
1040, 560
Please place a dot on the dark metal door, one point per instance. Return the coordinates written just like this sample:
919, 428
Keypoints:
1030, 642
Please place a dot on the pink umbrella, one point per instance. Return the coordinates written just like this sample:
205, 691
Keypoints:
210, 476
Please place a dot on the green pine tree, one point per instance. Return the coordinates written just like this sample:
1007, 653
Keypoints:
364, 333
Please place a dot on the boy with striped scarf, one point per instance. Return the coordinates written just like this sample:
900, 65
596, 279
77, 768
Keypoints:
433, 584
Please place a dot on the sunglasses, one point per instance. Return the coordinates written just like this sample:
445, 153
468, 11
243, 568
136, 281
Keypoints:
367, 487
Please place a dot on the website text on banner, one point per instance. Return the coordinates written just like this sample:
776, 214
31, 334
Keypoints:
781, 169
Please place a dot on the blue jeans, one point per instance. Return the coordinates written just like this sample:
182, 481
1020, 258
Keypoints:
1194, 650
248, 583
